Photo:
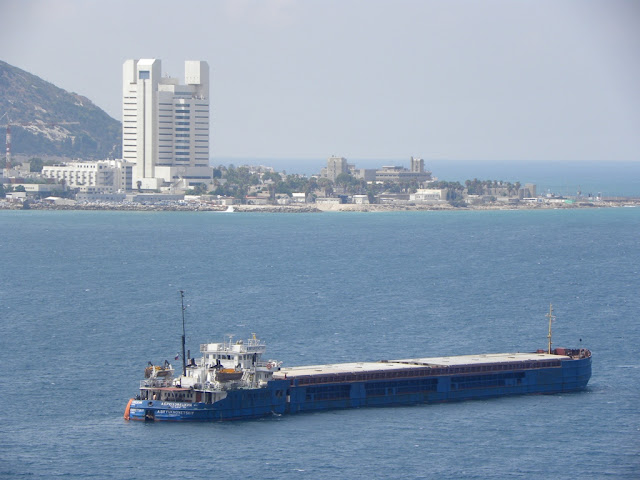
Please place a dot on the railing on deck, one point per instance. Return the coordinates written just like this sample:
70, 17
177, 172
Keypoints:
251, 345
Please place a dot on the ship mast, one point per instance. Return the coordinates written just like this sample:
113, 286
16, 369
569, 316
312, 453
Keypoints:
184, 360
551, 317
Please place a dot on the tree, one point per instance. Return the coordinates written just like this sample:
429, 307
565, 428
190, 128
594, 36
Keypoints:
474, 187
311, 186
343, 180
241, 193
35, 165
271, 176
200, 189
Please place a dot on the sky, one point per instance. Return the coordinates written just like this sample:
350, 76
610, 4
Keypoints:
505, 80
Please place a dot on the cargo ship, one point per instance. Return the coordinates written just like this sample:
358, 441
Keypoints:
232, 381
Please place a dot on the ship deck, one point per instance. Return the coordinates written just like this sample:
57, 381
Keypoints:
412, 363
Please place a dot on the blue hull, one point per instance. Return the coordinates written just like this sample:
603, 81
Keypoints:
287, 396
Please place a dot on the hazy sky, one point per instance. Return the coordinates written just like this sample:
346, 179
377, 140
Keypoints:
487, 80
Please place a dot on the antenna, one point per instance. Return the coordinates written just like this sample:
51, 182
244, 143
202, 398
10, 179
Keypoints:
184, 360
551, 317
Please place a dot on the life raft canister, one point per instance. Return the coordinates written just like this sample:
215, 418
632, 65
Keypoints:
127, 409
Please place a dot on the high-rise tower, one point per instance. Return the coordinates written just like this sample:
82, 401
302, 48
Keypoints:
165, 125
417, 165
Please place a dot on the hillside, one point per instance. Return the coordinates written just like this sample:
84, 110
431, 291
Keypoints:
47, 120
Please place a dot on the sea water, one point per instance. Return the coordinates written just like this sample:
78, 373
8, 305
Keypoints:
88, 298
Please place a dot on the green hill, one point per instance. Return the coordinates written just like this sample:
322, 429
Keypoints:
47, 120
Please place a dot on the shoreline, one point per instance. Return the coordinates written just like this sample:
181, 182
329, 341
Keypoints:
314, 208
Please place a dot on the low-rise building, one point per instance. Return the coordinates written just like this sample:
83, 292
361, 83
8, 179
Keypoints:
393, 198
104, 176
101, 197
360, 199
283, 199
366, 174
329, 200
220, 200
16, 196
150, 198
39, 189
397, 174
258, 199
299, 197
429, 195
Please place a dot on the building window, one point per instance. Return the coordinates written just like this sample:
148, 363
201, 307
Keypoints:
143, 74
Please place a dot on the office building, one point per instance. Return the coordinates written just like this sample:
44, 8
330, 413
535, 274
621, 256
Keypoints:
166, 125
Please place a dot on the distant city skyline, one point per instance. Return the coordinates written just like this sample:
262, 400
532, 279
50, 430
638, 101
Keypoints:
495, 80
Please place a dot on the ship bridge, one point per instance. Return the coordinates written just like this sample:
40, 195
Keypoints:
233, 355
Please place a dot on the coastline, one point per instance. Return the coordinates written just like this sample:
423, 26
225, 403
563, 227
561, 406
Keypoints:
319, 208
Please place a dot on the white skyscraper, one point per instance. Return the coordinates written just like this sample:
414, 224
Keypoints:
166, 125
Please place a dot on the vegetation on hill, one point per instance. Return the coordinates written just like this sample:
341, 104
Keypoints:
47, 120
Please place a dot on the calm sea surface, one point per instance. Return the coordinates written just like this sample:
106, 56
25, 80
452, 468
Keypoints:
87, 298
